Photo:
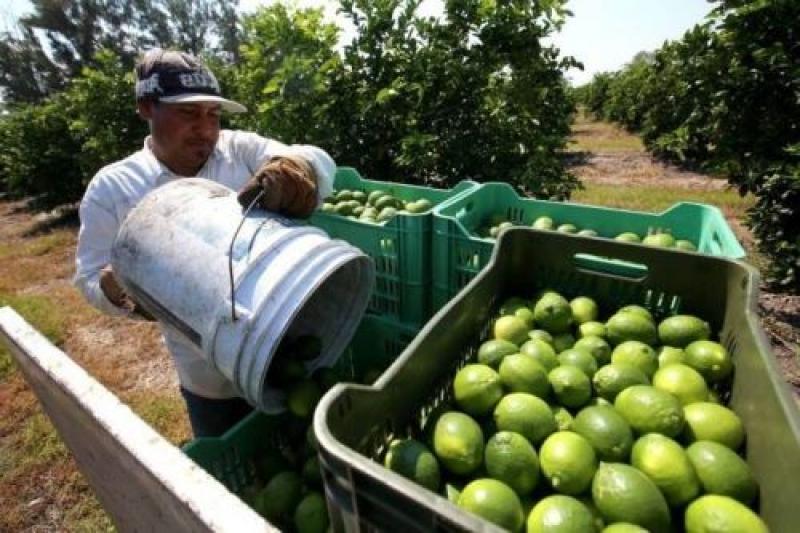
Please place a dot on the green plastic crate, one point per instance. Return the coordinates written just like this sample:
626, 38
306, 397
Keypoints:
354, 424
458, 254
400, 247
232, 458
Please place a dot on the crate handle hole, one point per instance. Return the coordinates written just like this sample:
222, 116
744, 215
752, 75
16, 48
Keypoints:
610, 267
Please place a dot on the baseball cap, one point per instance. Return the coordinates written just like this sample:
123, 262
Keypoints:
177, 77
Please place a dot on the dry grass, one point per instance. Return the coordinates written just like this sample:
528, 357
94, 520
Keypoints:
597, 137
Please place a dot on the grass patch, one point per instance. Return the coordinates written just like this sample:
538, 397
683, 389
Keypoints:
166, 414
35, 443
590, 136
657, 198
42, 313
39, 246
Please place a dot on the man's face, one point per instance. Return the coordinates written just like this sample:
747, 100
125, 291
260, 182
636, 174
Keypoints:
183, 135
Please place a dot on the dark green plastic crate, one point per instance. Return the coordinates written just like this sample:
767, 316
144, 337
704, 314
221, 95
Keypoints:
232, 458
458, 253
400, 247
354, 424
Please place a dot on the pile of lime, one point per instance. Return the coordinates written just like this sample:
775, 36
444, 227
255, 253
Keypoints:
373, 207
288, 487
655, 237
565, 422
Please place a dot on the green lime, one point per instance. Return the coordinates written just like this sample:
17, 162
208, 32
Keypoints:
687, 246
521, 373
637, 310
681, 330
709, 358
510, 458
668, 355
597, 346
630, 326
662, 240
564, 418
373, 196
412, 459
312, 475
580, 358
711, 421
477, 388
563, 341
587, 233
303, 397
559, 513
542, 352
568, 462
541, 335
525, 414
510, 305
492, 352
512, 329
666, 463
553, 313
570, 385
543, 223
567, 228
612, 379
722, 471
683, 382
649, 410
628, 236
494, 501
638, 354
719, 513
279, 498
623, 527
458, 443
607, 432
598, 329
311, 514
584, 309
625, 494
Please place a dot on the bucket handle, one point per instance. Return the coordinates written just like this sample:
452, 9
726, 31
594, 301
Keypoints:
230, 252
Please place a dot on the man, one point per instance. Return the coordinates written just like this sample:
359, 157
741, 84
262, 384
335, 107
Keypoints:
180, 99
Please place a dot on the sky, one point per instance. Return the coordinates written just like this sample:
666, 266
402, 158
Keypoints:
603, 34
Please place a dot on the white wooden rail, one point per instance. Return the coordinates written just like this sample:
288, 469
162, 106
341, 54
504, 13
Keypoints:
143, 482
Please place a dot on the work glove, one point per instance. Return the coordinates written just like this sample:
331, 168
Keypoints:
117, 295
289, 185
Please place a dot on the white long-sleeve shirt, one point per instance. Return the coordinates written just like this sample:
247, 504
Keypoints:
118, 187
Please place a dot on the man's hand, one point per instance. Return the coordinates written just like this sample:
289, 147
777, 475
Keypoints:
289, 185
117, 295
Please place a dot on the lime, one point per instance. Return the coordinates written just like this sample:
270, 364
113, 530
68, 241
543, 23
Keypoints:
668, 355
567, 228
303, 397
587, 233
542, 352
564, 418
542, 335
559, 513
597, 346
598, 329
637, 310
312, 475
662, 240
719, 513
492, 352
525, 414
649, 410
526, 315
458, 443
623, 527
683, 382
512, 329
607, 432
494, 501
681, 330
711, 421
553, 313
612, 379
510, 458
521, 373
568, 462
630, 326
510, 306
280, 496
722, 471
638, 354
311, 514
687, 246
709, 358
412, 459
563, 341
544, 223
571, 386
627, 236
624, 494
584, 309
477, 389
666, 463
580, 358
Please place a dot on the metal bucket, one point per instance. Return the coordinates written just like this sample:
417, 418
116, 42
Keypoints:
236, 298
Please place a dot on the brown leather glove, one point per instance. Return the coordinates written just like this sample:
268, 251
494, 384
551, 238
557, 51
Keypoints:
289, 185
117, 295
